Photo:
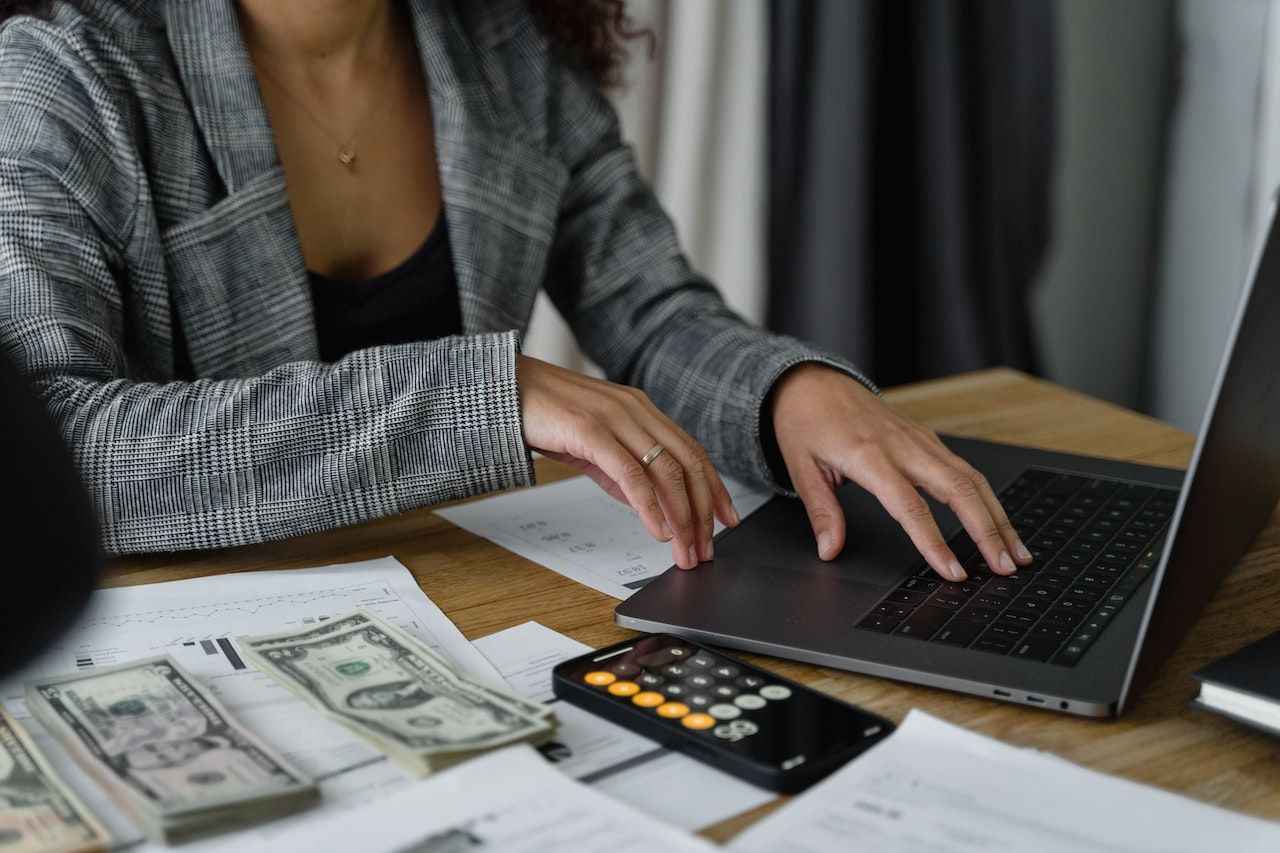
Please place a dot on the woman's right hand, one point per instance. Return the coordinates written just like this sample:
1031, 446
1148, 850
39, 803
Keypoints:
604, 429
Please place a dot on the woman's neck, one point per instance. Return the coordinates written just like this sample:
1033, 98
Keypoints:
317, 38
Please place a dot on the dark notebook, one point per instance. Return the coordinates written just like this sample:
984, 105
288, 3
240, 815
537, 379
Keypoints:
1245, 686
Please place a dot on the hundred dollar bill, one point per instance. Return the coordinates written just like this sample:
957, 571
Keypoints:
166, 750
391, 690
38, 812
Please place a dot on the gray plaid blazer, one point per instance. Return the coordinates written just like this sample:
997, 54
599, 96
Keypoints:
142, 203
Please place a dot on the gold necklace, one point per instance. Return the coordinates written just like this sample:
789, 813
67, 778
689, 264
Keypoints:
346, 150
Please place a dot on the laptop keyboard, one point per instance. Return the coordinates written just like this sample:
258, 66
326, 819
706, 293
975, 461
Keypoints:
1094, 542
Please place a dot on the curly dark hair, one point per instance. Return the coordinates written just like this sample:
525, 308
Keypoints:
588, 33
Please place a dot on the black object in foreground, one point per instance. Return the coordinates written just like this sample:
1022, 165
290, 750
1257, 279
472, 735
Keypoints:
1245, 686
51, 544
738, 718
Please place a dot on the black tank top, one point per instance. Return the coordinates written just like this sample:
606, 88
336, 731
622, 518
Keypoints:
416, 301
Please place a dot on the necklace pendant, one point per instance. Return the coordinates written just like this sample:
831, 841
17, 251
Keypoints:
347, 156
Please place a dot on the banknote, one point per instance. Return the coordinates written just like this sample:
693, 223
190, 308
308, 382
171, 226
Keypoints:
166, 749
38, 812
393, 691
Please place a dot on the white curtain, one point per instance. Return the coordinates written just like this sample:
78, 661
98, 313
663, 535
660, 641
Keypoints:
1224, 166
695, 115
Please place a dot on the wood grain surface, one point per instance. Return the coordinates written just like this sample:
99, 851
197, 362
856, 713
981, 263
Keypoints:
1161, 742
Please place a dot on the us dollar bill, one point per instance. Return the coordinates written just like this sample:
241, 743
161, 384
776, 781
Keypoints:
393, 691
166, 750
38, 812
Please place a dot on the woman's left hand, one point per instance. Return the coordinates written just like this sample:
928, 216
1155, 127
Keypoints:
829, 427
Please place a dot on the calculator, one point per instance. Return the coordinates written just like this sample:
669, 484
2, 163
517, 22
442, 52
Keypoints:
739, 718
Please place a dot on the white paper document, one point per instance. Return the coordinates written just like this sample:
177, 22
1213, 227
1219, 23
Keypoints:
195, 621
510, 801
574, 528
628, 767
936, 787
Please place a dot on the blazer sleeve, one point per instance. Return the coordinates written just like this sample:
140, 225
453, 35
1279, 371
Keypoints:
202, 464
637, 309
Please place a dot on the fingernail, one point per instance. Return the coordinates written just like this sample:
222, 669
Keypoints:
710, 550
824, 545
666, 532
1006, 562
693, 554
1023, 554
957, 573
733, 516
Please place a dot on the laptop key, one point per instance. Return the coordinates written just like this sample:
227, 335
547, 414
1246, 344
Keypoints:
920, 584
892, 611
1070, 655
976, 613
1030, 606
959, 632
1006, 630
905, 596
924, 623
1067, 618
993, 644
947, 602
995, 602
879, 622
1036, 648
1061, 632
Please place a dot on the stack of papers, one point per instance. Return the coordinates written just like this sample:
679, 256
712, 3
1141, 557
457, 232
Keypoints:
933, 786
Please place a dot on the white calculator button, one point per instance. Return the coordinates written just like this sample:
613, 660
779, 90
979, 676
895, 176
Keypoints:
749, 702
723, 711
775, 692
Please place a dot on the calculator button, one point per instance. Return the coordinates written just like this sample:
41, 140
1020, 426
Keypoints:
675, 671
599, 679
736, 730
751, 682
698, 722
675, 690
624, 669
699, 700
703, 661
700, 681
776, 692
725, 691
678, 652
673, 710
749, 702
726, 671
724, 712
624, 688
648, 699
651, 680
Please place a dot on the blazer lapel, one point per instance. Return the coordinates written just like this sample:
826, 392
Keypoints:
501, 191
240, 283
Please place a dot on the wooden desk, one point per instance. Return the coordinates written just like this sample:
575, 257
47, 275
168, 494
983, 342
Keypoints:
1160, 741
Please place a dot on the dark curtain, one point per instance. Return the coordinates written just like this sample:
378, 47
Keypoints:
910, 154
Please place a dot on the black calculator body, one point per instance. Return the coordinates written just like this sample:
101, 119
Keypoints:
736, 717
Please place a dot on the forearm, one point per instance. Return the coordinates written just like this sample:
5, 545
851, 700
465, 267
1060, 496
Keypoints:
306, 447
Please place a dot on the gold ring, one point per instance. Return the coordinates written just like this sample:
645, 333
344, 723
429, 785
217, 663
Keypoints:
654, 452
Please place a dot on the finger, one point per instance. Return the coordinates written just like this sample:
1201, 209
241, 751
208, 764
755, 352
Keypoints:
697, 473
600, 448
953, 485
900, 498
668, 478
817, 493
722, 501
1012, 541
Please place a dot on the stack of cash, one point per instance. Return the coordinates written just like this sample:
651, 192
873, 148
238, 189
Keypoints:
38, 812
166, 751
394, 692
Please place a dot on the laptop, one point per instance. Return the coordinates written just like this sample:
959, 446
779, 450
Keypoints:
1126, 558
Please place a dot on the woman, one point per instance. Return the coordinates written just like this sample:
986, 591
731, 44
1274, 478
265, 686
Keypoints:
267, 263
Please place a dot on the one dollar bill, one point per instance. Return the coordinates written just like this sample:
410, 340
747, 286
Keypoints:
38, 812
394, 692
166, 750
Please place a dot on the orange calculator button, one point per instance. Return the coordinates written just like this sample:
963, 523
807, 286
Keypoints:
599, 679
624, 688
673, 710
698, 721
648, 699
